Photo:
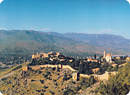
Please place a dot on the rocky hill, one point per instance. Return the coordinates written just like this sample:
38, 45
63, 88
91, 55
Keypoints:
54, 81
45, 81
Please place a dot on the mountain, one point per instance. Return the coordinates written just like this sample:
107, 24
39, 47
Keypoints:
112, 43
30, 41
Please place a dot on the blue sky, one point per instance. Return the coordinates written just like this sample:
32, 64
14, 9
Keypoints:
82, 16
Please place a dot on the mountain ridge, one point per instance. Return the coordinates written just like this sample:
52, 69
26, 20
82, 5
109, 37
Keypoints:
69, 43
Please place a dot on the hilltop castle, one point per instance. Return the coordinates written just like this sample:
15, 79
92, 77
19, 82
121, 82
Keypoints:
45, 55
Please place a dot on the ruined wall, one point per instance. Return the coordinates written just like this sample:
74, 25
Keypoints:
52, 66
102, 77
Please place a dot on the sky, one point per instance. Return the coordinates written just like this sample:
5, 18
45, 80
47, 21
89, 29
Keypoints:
78, 16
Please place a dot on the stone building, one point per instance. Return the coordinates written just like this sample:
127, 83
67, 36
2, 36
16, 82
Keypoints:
34, 56
75, 76
25, 68
107, 57
92, 60
95, 70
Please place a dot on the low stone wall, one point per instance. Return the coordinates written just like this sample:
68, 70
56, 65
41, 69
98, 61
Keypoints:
52, 66
68, 67
102, 77
84, 76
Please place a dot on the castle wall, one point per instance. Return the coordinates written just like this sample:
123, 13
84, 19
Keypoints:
52, 66
102, 77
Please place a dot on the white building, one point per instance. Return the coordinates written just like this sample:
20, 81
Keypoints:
107, 57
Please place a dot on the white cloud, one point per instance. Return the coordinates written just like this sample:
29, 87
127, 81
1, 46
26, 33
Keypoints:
2, 28
1, 1
128, 1
45, 29
40, 29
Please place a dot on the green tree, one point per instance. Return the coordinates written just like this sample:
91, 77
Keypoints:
117, 85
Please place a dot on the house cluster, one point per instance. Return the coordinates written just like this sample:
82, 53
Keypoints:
57, 60
45, 55
115, 60
52, 56
56, 56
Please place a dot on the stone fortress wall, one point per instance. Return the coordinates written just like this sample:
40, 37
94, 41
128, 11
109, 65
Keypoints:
102, 77
52, 66
105, 76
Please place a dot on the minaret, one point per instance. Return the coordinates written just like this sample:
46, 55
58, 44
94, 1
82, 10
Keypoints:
104, 56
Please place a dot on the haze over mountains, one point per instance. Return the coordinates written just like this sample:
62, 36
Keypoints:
29, 41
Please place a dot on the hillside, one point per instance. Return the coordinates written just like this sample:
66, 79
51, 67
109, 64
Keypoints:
29, 41
118, 85
55, 74
114, 43
54, 81
45, 81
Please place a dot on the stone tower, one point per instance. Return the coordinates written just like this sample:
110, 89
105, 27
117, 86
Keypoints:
104, 56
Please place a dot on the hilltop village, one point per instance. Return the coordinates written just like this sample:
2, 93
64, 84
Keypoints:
56, 74
98, 66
